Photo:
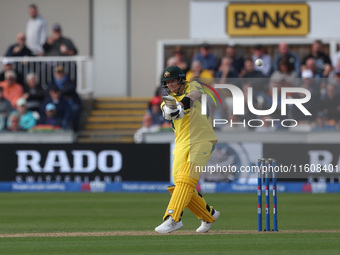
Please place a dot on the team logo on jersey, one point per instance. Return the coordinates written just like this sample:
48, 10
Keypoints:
166, 74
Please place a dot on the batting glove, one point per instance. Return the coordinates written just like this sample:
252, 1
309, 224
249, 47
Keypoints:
173, 114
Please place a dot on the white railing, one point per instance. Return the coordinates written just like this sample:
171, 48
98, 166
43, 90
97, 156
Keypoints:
79, 68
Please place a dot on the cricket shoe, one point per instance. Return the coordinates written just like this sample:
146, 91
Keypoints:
168, 226
205, 226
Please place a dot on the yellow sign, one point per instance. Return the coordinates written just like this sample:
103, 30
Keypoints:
267, 19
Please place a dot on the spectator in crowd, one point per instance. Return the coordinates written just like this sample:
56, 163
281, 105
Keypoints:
36, 30
264, 100
334, 78
19, 49
317, 76
308, 82
156, 113
13, 122
322, 60
51, 117
154, 110
62, 106
330, 106
249, 70
248, 115
207, 59
321, 124
148, 127
198, 73
177, 59
253, 78
336, 58
237, 61
27, 119
310, 64
181, 61
33, 92
68, 91
172, 61
159, 92
292, 59
2, 123
226, 71
8, 65
58, 45
5, 109
312, 105
5, 105
286, 70
266, 68
12, 90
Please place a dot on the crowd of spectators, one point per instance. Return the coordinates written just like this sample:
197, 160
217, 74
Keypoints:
153, 120
34, 105
25, 103
317, 72
36, 42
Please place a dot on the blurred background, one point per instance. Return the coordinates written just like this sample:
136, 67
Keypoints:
80, 90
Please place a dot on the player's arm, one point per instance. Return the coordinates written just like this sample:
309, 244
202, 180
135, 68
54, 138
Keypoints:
189, 99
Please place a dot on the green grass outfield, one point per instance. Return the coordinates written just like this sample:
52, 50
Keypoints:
109, 223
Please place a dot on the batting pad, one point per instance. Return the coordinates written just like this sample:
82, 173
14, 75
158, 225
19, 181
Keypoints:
197, 206
182, 193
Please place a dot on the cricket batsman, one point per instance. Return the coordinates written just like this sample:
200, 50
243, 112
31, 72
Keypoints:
195, 141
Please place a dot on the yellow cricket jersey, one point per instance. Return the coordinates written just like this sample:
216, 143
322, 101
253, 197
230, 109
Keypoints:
193, 127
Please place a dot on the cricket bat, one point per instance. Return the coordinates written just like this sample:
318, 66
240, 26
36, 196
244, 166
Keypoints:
170, 102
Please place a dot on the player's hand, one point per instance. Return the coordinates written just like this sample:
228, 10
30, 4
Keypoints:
180, 108
173, 114
63, 48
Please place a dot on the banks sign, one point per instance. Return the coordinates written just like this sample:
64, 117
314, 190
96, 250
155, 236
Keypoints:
267, 19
